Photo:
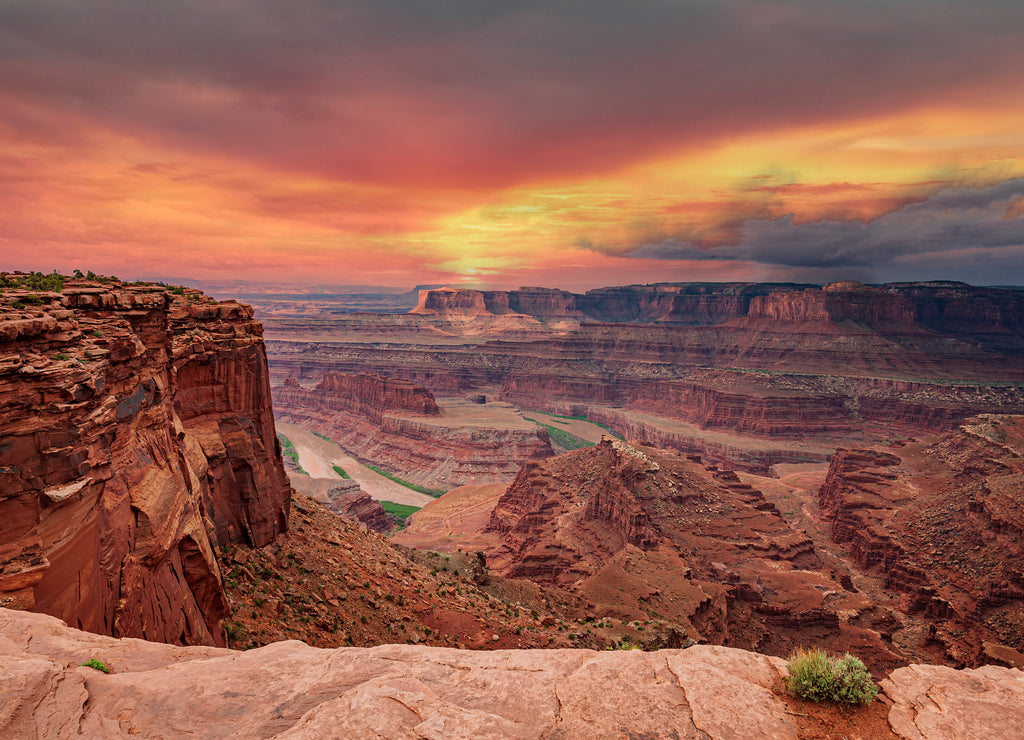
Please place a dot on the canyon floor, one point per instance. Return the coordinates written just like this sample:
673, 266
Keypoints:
318, 456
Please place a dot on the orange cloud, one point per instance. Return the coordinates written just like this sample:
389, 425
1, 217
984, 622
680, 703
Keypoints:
409, 142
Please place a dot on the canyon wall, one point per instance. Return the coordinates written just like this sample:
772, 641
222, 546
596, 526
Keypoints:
399, 426
137, 437
942, 521
371, 395
994, 315
844, 364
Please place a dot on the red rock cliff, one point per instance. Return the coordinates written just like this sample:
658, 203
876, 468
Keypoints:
449, 301
847, 301
375, 395
137, 436
942, 520
638, 529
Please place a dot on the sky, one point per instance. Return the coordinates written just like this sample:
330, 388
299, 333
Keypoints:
562, 143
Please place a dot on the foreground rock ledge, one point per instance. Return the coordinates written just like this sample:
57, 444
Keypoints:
290, 690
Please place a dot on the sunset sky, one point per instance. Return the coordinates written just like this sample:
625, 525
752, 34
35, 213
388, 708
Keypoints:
566, 143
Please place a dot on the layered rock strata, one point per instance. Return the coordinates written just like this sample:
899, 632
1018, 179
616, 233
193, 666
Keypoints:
993, 316
347, 499
647, 533
846, 362
137, 437
942, 521
398, 426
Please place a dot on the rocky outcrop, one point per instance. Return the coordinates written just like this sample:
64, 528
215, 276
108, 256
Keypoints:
137, 437
290, 690
943, 520
938, 702
640, 531
347, 499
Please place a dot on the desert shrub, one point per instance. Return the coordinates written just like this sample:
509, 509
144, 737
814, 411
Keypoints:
434, 492
819, 677
99, 665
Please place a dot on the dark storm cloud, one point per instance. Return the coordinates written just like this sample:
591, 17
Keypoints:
955, 220
486, 94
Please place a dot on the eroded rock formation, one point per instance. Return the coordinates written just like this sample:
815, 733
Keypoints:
644, 533
942, 521
760, 362
399, 426
347, 499
137, 437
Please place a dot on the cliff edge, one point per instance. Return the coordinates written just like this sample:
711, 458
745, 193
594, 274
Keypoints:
290, 690
136, 437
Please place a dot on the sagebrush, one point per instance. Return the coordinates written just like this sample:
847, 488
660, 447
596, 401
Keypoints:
815, 675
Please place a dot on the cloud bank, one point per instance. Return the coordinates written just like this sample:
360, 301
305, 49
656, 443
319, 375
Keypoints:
312, 131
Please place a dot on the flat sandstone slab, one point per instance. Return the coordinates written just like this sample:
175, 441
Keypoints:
290, 690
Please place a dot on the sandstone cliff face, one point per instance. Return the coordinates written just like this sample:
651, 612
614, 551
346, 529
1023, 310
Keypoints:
375, 395
540, 303
136, 436
448, 301
992, 316
838, 302
688, 304
943, 521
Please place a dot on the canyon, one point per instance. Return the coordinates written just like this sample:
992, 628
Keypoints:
399, 426
838, 466
747, 375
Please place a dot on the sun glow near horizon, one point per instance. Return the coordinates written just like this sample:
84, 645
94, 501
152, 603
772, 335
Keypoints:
406, 175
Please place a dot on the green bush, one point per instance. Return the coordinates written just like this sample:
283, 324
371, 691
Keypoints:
561, 438
99, 665
399, 511
434, 492
819, 677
